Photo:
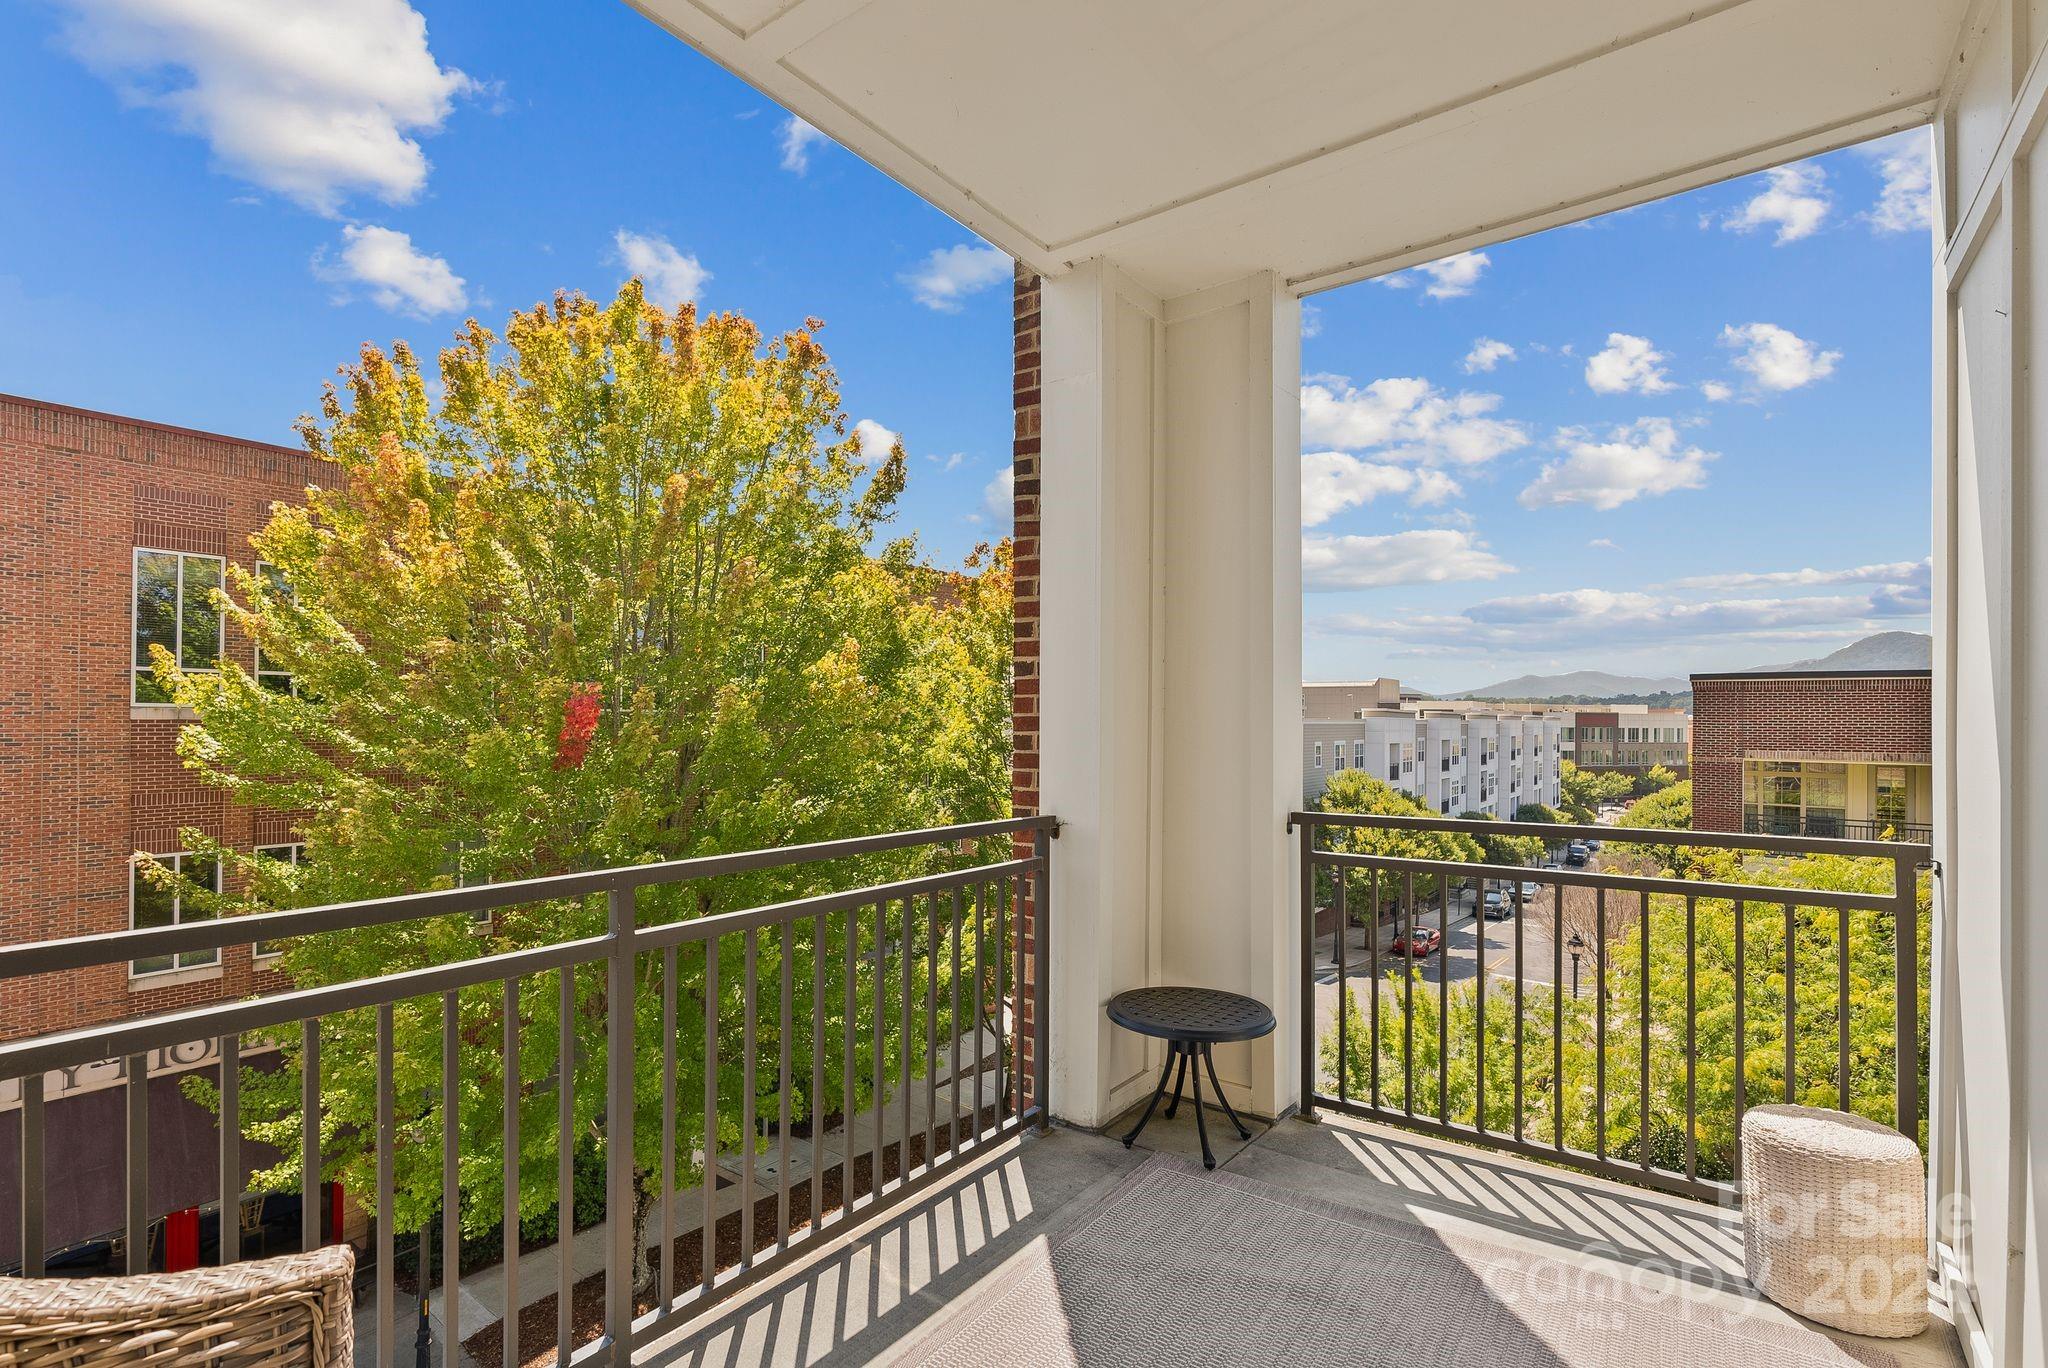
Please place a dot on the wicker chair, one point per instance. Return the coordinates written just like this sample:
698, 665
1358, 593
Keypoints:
294, 1311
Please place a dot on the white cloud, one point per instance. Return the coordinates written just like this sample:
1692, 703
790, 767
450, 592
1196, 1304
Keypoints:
1603, 544
1579, 621
950, 274
311, 99
1421, 556
1777, 358
1311, 321
1905, 161
998, 497
948, 463
1487, 353
797, 137
398, 275
1717, 392
1638, 460
1898, 574
1332, 482
1627, 363
671, 278
876, 441
1451, 277
1794, 200
1406, 419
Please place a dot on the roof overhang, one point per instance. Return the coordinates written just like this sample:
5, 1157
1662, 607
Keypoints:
1196, 141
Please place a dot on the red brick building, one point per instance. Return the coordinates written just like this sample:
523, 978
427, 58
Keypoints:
111, 532
1840, 754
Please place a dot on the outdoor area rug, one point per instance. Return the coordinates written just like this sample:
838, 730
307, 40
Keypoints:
1179, 1266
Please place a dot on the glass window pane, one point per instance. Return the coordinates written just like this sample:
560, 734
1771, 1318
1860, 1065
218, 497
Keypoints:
200, 649
156, 603
154, 906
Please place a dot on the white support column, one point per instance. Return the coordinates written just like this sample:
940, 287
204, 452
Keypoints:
1170, 666
1099, 344
1232, 734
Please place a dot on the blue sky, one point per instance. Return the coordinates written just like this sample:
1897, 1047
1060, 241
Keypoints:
1694, 435
1690, 436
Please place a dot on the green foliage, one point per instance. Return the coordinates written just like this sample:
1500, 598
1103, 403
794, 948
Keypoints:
1654, 780
1505, 850
1581, 792
1539, 812
1367, 892
1669, 809
612, 592
1555, 1027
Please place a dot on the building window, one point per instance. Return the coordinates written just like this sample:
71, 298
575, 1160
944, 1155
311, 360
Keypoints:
293, 854
268, 674
174, 609
1890, 803
1358, 755
1337, 756
1319, 755
151, 906
1787, 798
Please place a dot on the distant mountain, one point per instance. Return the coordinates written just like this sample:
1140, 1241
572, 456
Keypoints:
1577, 684
1885, 651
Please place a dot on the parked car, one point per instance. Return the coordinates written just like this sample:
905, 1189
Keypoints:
1576, 853
1494, 904
1593, 844
1530, 890
1427, 941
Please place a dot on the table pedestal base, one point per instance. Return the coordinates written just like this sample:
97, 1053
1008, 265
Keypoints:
1198, 1054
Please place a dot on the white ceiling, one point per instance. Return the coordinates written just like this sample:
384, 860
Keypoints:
1197, 140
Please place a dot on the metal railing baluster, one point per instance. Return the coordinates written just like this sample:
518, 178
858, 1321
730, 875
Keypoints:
136, 1229
33, 1242
749, 1138
387, 1144
785, 1062
230, 1241
451, 1179
709, 1272
309, 1135
512, 1079
1643, 1035
1791, 1004
565, 1161
668, 1122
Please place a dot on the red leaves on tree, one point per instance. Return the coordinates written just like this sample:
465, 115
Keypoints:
579, 725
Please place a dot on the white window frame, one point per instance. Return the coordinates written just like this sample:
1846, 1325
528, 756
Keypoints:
137, 671
178, 965
1319, 755
290, 681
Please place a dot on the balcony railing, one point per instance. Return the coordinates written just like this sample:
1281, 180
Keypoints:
1700, 996
871, 994
1837, 828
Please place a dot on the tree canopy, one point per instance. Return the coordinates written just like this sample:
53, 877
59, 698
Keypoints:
1580, 792
614, 590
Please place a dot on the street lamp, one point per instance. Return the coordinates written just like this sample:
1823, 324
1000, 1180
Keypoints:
1578, 947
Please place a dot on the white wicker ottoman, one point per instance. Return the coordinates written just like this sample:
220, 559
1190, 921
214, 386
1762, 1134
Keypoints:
1834, 1219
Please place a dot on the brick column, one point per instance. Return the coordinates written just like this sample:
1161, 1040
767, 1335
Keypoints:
1024, 666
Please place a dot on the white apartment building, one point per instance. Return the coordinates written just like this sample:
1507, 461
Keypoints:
1453, 757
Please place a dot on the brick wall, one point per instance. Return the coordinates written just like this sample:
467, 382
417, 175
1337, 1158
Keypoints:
1868, 718
87, 779
1024, 670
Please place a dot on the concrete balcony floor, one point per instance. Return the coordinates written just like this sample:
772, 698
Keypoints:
949, 1276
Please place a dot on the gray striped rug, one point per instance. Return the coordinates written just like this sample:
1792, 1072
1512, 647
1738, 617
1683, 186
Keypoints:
1179, 1266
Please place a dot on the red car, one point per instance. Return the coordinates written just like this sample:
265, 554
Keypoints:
1427, 941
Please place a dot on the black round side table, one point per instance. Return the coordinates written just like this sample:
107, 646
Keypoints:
1190, 1021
